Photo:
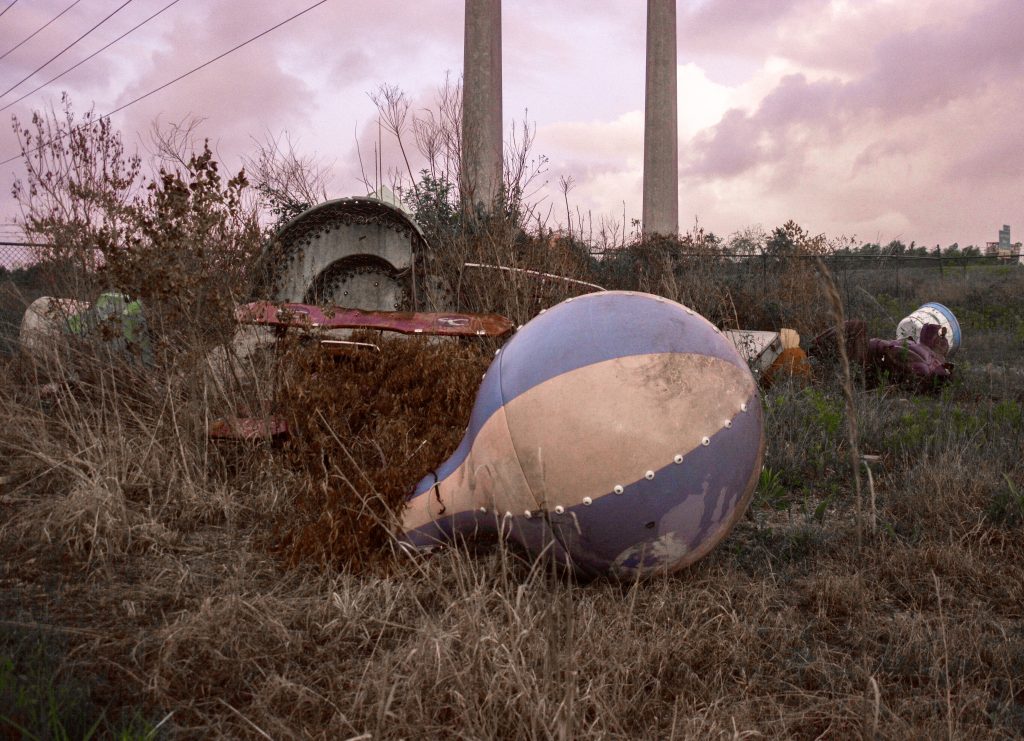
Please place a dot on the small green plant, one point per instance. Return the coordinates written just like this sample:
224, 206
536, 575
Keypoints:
37, 703
771, 491
1007, 506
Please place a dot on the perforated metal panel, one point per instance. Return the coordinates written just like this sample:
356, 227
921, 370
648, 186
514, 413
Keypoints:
356, 252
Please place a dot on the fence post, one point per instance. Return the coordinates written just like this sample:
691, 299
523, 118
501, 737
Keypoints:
942, 274
764, 276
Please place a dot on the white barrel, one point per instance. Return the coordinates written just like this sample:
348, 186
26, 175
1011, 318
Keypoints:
931, 313
44, 322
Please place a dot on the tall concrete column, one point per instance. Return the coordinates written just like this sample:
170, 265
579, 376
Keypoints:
481, 175
661, 146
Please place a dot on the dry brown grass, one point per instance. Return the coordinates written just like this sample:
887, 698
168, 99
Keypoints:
368, 425
150, 553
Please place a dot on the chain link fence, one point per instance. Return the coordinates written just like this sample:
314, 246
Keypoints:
23, 279
864, 281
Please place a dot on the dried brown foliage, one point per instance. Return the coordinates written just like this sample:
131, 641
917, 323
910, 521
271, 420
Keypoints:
367, 426
139, 547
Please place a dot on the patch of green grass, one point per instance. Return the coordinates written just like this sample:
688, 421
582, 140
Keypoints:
37, 701
1007, 505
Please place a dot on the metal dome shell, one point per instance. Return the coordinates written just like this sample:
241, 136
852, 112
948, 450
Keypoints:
330, 238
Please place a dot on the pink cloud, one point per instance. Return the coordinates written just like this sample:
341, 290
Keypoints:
852, 116
909, 74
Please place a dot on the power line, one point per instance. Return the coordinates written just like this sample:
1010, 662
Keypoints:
41, 28
119, 8
192, 71
79, 64
4, 11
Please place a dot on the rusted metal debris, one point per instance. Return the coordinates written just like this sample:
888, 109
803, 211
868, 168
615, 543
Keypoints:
306, 316
918, 364
440, 324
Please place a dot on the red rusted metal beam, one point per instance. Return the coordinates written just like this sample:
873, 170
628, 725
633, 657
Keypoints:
448, 324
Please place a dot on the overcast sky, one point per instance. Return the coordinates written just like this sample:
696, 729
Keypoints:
879, 119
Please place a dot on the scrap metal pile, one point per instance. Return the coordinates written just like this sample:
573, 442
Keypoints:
917, 359
617, 432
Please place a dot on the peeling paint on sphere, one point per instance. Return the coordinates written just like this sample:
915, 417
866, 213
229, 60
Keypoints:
628, 427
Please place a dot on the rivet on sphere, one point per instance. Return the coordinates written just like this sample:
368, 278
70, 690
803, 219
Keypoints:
649, 475
588, 500
743, 407
728, 423
542, 311
527, 514
498, 351
484, 510
617, 368
508, 514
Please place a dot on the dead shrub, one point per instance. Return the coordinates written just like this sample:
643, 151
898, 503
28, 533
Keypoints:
367, 427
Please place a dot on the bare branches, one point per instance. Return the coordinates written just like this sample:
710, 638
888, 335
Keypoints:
173, 143
287, 182
393, 110
78, 183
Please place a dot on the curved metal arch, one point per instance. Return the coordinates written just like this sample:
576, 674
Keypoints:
326, 288
354, 209
295, 256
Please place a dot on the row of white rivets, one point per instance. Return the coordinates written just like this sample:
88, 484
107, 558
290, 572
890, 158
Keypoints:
619, 488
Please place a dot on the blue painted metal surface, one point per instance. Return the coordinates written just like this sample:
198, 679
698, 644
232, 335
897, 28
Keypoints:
618, 432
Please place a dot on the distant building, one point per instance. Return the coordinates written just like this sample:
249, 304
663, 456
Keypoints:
1004, 249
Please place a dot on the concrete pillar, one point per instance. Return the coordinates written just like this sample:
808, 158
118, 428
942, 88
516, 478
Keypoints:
661, 146
481, 176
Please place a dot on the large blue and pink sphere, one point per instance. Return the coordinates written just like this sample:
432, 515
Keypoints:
619, 433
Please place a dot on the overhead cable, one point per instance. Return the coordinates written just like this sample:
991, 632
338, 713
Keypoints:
83, 61
55, 56
167, 84
41, 28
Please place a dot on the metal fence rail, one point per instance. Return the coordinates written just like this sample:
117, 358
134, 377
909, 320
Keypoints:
859, 277
22, 280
